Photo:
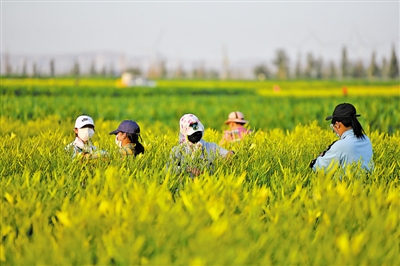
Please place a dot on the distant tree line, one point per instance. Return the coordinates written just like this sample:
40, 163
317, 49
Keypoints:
314, 68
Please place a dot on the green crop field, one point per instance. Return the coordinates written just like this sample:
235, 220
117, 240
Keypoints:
264, 206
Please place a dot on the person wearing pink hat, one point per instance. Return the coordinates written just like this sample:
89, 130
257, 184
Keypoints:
236, 131
194, 155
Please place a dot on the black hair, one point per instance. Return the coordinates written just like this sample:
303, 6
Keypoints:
134, 138
351, 122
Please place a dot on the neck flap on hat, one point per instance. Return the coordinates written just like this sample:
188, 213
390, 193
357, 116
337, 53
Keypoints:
185, 123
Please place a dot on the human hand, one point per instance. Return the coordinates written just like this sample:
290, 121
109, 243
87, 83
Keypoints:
311, 165
194, 171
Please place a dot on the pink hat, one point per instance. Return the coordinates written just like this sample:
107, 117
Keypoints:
236, 117
189, 124
186, 123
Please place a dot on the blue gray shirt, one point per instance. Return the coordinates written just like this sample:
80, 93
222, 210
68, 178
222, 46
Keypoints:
200, 155
346, 150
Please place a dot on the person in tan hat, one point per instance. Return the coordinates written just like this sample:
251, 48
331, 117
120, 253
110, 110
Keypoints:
236, 131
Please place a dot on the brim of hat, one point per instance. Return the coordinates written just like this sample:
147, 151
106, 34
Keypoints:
240, 121
191, 131
329, 117
115, 132
85, 125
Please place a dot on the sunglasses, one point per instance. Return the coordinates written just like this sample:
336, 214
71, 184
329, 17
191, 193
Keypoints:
195, 126
332, 126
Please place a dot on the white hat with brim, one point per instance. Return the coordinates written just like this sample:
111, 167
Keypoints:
236, 117
189, 124
83, 120
193, 128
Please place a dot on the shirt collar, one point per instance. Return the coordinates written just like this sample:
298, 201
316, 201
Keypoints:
79, 143
346, 133
129, 145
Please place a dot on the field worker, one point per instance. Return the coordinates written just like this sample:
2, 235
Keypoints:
127, 138
236, 131
353, 145
82, 145
193, 155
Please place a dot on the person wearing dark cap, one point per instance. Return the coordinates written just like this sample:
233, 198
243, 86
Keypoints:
236, 131
353, 145
127, 138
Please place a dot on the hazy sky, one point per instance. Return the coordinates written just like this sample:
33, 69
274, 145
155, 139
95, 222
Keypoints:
200, 30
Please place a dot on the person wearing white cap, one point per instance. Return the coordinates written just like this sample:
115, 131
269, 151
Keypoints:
236, 131
82, 145
193, 155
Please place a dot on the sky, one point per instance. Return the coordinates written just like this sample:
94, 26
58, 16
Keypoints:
200, 30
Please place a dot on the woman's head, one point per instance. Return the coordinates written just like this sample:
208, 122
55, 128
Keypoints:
84, 127
236, 118
345, 114
191, 129
127, 132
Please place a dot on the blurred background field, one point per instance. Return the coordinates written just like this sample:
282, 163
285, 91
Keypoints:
295, 102
265, 206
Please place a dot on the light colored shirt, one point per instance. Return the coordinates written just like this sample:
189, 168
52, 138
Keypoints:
349, 149
78, 147
129, 149
200, 155
235, 134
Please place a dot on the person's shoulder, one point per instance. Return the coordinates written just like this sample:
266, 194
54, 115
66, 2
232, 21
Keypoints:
71, 146
214, 147
366, 138
345, 145
207, 144
127, 150
177, 149
243, 129
340, 144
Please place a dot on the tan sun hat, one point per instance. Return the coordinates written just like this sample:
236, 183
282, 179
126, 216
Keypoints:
236, 117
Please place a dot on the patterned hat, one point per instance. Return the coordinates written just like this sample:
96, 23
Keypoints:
190, 124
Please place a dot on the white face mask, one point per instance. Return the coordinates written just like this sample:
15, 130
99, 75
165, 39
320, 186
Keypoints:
85, 133
118, 142
333, 129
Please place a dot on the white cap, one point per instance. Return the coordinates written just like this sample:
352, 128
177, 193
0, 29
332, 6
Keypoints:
189, 124
83, 120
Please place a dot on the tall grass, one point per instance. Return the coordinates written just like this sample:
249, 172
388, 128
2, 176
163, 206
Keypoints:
263, 206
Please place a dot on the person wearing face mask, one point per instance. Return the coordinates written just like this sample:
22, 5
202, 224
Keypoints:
353, 145
127, 138
193, 155
82, 145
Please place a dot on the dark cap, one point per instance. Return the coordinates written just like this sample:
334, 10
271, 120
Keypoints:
127, 126
343, 110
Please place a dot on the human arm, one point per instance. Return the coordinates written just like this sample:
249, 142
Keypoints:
327, 157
